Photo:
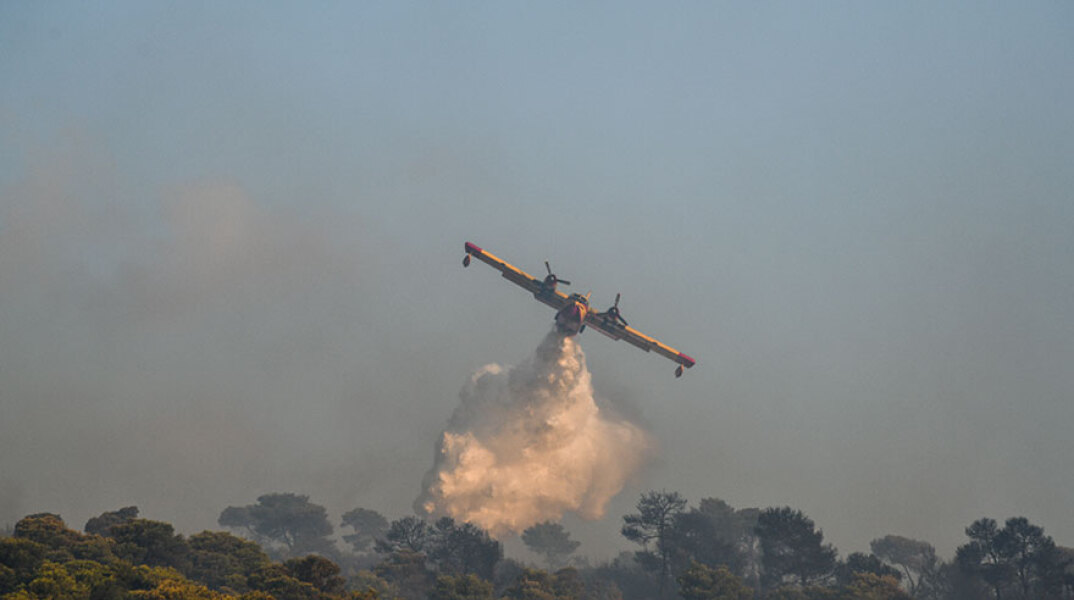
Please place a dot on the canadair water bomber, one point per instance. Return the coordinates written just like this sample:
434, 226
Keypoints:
573, 313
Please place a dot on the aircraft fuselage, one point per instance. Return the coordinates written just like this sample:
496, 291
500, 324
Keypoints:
571, 318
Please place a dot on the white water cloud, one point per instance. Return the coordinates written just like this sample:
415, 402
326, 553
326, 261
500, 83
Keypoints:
530, 443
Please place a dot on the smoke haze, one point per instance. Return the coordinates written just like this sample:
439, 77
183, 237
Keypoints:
230, 237
145, 343
530, 443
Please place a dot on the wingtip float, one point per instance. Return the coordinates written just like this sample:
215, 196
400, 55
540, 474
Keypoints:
573, 313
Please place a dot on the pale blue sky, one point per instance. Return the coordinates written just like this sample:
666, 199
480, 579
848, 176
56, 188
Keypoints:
246, 220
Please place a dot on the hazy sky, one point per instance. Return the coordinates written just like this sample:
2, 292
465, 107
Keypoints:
230, 243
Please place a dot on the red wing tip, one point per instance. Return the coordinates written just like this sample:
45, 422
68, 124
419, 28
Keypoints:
472, 249
686, 360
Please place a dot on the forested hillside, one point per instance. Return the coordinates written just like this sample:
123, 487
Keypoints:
710, 551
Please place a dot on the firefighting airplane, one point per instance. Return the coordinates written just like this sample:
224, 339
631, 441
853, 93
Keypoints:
573, 313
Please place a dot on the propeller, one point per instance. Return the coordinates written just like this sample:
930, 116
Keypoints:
551, 280
614, 311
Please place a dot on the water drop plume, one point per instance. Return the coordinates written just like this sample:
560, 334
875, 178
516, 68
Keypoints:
530, 443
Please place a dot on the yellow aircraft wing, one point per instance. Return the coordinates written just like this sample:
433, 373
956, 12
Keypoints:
546, 294
611, 327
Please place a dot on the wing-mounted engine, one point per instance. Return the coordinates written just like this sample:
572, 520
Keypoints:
552, 280
613, 315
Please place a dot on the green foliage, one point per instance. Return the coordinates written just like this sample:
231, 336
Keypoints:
536, 584
143, 559
1065, 559
550, 540
407, 534
406, 571
92, 547
654, 523
48, 530
450, 548
916, 559
368, 526
276, 580
77, 579
568, 584
871, 586
59, 544
465, 548
317, 571
287, 521
152, 562
153, 543
1016, 561
701, 582
712, 535
655, 516
461, 587
532, 584
147, 577
368, 582
177, 589
20, 558
101, 580
51, 580
793, 550
9, 579
102, 524
673, 538
728, 523
625, 577
858, 562
223, 561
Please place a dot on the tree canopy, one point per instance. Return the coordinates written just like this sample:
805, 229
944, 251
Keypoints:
653, 524
1016, 561
143, 559
708, 552
286, 522
701, 582
102, 524
792, 549
368, 526
551, 541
